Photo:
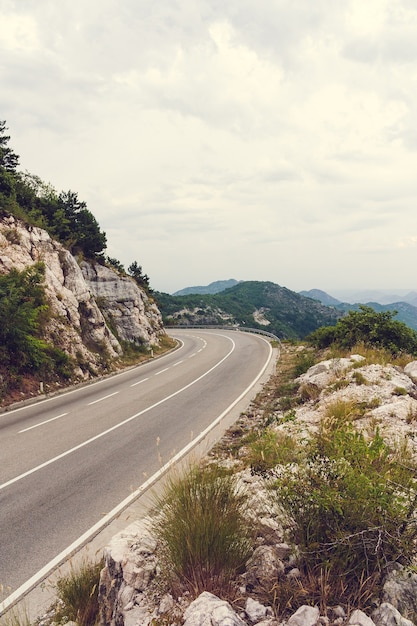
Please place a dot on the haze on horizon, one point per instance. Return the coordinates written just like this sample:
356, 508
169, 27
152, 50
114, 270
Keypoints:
268, 140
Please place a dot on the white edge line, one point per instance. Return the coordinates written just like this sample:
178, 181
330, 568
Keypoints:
82, 387
42, 423
41, 574
119, 424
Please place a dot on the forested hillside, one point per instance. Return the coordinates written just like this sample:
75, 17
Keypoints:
255, 304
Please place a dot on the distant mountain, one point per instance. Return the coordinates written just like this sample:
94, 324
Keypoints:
380, 296
216, 287
263, 305
406, 312
321, 296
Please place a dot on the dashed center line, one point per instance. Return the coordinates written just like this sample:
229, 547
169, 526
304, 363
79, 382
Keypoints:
41, 423
161, 371
140, 382
177, 363
103, 398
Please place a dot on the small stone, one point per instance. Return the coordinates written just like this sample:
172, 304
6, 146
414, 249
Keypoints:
255, 610
360, 618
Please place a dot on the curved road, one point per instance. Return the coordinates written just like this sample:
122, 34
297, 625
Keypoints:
67, 462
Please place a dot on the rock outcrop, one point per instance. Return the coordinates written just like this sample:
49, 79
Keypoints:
90, 333
128, 308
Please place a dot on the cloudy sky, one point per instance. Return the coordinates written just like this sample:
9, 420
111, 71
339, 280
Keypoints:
213, 139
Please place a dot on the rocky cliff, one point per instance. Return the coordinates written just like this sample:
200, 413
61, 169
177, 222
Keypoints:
93, 310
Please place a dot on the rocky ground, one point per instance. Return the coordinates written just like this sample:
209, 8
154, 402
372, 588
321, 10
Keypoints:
270, 591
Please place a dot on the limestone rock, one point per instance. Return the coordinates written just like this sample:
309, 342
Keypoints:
256, 611
411, 370
360, 618
77, 324
400, 590
209, 610
264, 565
388, 615
134, 315
304, 616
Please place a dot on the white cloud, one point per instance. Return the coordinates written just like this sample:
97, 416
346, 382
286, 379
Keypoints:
269, 140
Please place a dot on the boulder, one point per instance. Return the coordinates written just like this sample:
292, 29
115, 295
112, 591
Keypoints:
209, 610
411, 370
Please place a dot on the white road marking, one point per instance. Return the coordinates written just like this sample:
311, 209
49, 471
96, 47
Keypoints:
116, 426
103, 398
140, 382
42, 423
36, 578
177, 363
161, 371
82, 387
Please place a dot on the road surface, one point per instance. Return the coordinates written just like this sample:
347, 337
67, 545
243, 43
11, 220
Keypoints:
67, 462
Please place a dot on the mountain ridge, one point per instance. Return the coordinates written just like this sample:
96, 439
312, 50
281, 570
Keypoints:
406, 311
258, 304
211, 288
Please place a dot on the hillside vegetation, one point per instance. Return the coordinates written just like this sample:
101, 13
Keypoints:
27, 354
254, 304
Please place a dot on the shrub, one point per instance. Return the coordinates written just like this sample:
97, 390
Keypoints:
351, 507
303, 362
202, 529
270, 449
371, 328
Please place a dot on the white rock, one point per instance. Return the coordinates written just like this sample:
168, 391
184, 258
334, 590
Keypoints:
209, 610
304, 616
360, 618
388, 615
256, 611
411, 370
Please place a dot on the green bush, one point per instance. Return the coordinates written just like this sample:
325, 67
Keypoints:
371, 328
204, 534
350, 507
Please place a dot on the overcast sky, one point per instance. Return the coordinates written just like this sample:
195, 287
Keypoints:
214, 139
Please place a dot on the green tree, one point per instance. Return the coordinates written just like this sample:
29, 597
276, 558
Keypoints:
77, 227
8, 164
376, 329
8, 159
135, 271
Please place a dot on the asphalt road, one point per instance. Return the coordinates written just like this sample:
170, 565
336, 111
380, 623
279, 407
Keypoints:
68, 461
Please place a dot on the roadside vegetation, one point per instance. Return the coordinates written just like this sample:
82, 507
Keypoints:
77, 594
204, 534
346, 500
24, 314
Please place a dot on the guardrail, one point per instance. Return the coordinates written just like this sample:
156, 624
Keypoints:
244, 329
